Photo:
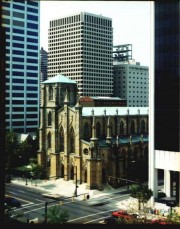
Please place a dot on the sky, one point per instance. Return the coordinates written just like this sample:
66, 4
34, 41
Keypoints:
130, 22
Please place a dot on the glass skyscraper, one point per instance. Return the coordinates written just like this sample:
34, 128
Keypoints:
165, 158
21, 22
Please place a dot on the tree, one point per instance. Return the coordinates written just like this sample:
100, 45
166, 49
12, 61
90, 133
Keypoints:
56, 215
142, 193
36, 169
11, 144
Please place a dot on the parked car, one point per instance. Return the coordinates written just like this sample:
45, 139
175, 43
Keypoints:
12, 202
123, 214
110, 220
160, 221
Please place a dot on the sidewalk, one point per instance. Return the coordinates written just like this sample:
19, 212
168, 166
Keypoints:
65, 188
60, 187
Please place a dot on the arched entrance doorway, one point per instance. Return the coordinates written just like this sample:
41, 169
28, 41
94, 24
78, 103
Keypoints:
85, 176
62, 171
104, 178
72, 173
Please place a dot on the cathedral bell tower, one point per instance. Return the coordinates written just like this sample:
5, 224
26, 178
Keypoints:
52, 100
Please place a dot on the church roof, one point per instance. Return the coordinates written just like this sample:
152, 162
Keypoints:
99, 111
59, 78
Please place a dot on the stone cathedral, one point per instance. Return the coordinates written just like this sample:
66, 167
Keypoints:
93, 145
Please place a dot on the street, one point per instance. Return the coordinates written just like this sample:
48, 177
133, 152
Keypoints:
81, 211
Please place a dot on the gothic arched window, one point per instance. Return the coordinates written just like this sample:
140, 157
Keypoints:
132, 127
49, 140
142, 126
121, 127
72, 141
50, 93
49, 118
98, 130
86, 131
61, 139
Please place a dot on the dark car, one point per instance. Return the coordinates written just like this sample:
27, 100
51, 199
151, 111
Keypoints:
110, 220
12, 202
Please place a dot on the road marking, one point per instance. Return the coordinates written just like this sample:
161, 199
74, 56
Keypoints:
22, 200
24, 205
102, 221
21, 191
40, 200
91, 215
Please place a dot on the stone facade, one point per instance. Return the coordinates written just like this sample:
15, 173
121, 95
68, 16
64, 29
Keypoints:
100, 147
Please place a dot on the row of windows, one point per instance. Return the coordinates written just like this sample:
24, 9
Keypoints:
28, 88
21, 116
21, 123
19, 52
19, 38
29, 74
28, 95
30, 102
18, 66
17, 59
68, 53
19, 45
120, 72
137, 101
20, 31
19, 23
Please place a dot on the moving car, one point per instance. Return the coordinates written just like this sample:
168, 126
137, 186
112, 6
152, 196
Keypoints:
12, 202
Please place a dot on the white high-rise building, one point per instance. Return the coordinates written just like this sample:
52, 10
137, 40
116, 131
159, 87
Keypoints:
80, 47
21, 22
131, 82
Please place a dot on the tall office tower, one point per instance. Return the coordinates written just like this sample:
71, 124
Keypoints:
43, 66
130, 79
21, 22
166, 154
80, 47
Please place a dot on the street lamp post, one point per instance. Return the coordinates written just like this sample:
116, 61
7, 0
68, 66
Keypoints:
75, 193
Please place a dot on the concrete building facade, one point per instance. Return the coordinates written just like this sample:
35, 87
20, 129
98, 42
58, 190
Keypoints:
131, 82
97, 142
21, 22
80, 47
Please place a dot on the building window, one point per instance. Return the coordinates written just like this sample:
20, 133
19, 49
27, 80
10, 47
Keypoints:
132, 127
72, 141
121, 127
50, 93
142, 126
86, 131
61, 139
49, 140
49, 118
98, 130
